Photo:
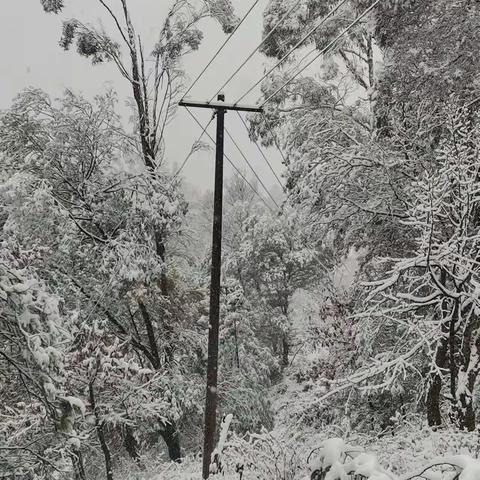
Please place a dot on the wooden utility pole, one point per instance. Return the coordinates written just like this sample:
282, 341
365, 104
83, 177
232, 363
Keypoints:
214, 317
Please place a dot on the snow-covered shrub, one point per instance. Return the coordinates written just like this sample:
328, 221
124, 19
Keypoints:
338, 460
272, 455
39, 414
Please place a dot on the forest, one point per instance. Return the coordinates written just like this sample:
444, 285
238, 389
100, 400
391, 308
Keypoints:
349, 300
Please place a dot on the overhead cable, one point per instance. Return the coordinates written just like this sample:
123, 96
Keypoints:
272, 31
231, 162
295, 47
262, 153
200, 75
251, 168
187, 158
322, 52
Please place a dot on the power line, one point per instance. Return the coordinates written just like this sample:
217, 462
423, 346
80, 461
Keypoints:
220, 49
231, 163
262, 153
323, 51
251, 168
272, 31
295, 47
193, 149
204, 130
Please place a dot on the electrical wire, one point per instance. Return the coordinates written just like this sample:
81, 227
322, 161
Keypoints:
262, 153
200, 75
193, 149
204, 131
272, 31
295, 47
251, 168
231, 162
322, 52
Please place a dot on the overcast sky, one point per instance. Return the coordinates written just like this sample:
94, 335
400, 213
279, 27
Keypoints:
31, 57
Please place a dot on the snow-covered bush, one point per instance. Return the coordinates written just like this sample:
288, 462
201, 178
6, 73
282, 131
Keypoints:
337, 460
263, 455
39, 414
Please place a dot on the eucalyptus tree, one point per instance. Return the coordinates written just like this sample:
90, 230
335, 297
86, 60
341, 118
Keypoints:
155, 91
355, 168
429, 49
432, 294
274, 258
352, 125
154, 75
39, 431
354, 53
325, 118
418, 317
75, 194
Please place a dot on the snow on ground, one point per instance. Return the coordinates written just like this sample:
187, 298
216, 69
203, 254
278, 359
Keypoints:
293, 452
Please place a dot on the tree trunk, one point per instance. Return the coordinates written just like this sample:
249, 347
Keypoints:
78, 468
148, 141
370, 60
467, 379
131, 445
466, 414
169, 333
434, 416
136, 82
152, 341
465, 410
99, 426
169, 433
452, 353
285, 350
371, 79
237, 353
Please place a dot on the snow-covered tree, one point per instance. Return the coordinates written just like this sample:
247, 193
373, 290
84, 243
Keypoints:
38, 431
429, 299
247, 363
354, 53
155, 78
429, 54
275, 257
76, 195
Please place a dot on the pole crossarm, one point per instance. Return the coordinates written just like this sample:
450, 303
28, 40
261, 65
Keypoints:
221, 106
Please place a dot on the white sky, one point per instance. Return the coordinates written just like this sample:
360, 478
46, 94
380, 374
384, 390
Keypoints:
31, 56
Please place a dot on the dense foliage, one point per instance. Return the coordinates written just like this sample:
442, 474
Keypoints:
353, 311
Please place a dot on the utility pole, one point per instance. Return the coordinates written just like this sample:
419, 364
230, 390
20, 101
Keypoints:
214, 315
